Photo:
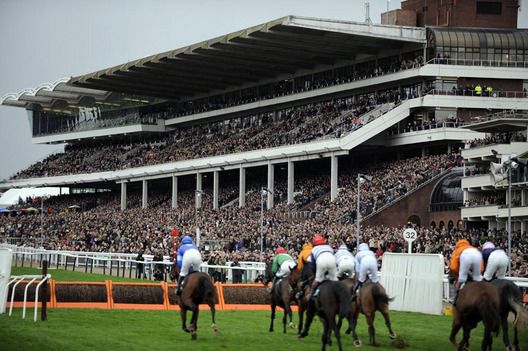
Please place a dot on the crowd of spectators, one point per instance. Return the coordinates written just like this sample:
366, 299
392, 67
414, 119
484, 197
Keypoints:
233, 234
497, 138
299, 124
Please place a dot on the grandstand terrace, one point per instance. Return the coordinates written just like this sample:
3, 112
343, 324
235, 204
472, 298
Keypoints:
297, 105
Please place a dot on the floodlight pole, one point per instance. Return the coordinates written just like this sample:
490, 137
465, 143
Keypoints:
199, 193
263, 192
509, 216
358, 215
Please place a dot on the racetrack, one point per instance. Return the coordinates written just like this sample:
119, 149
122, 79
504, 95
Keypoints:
83, 329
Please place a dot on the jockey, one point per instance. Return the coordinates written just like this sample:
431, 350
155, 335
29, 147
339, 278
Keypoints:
366, 264
188, 260
305, 258
345, 263
325, 263
281, 265
495, 260
465, 258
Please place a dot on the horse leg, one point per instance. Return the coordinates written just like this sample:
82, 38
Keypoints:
505, 336
324, 337
487, 340
272, 316
352, 325
371, 330
464, 343
310, 313
213, 313
194, 321
337, 329
284, 320
516, 339
385, 312
183, 313
455, 328
301, 316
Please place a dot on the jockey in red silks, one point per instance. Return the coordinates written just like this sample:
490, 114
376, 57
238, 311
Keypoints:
325, 263
281, 265
188, 260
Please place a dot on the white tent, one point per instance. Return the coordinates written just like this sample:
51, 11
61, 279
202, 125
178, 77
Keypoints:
11, 196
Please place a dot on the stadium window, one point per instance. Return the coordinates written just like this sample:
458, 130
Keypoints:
489, 8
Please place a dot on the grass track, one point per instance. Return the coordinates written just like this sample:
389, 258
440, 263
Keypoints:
69, 329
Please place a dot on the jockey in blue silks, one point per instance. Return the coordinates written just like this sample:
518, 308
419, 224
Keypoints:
188, 260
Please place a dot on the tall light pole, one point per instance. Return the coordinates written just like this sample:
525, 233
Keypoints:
263, 192
360, 177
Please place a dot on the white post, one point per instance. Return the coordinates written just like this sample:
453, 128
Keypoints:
271, 181
215, 189
198, 193
358, 215
261, 225
409, 248
291, 181
509, 216
174, 200
144, 197
123, 196
5, 272
333, 177
242, 188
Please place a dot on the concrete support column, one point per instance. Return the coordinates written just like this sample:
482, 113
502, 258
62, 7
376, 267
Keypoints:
215, 190
144, 194
523, 227
449, 148
291, 181
523, 198
333, 177
242, 188
123, 196
424, 151
271, 182
197, 194
174, 200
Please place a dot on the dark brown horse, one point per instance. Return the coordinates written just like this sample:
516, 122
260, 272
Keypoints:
282, 295
372, 297
333, 300
303, 288
510, 296
198, 288
477, 301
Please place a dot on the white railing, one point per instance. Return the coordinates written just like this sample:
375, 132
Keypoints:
483, 63
17, 279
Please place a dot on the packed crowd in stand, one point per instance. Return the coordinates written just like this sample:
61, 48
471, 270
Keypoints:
290, 126
232, 233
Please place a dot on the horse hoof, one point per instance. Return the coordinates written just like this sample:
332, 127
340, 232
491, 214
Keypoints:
293, 326
357, 343
393, 336
194, 336
186, 330
215, 328
302, 335
271, 330
348, 331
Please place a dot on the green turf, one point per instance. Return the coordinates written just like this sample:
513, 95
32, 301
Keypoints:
239, 330
63, 275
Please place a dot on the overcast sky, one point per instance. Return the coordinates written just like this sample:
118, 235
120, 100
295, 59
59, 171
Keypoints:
42, 41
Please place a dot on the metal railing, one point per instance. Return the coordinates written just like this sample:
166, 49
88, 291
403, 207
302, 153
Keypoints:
482, 63
491, 95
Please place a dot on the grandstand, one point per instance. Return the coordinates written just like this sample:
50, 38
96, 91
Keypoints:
297, 105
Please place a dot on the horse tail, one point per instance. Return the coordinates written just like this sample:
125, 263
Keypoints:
206, 287
490, 314
343, 296
380, 297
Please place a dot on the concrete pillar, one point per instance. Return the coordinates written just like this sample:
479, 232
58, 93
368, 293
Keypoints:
424, 151
271, 181
198, 195
333, 177
144, 194
449, 147
174, 200
242, 188
123, 196
523, 198
215, 190
291, 181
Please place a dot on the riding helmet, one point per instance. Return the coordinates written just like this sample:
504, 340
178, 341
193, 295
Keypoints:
318, 240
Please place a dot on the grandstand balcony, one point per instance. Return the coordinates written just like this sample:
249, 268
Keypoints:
485, 153
478, 182
479, 213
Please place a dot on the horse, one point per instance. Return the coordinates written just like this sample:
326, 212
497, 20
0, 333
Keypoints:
477, 301
372, 297
332, 300
510, 296
282, 295
198, 288
306, 279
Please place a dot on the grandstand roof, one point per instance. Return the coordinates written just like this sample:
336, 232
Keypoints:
269, 50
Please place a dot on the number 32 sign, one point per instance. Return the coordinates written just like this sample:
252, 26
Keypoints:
410, 235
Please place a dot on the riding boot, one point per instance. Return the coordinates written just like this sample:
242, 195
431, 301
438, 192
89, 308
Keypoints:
315, 290
458, 287
299, 294
273, 282
355, 289
180, 285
